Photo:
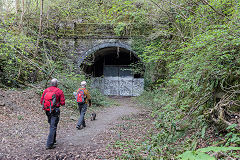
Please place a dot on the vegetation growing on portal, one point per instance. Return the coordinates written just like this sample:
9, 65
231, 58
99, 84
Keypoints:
190, 50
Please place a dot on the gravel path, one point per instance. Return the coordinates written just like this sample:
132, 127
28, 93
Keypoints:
105, 119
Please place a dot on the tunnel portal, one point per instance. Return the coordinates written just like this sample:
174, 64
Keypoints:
111, 71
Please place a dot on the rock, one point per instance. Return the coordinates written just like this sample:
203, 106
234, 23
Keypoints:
48, 157
37, 156
2, 103
1, 94
1, 156
73, 118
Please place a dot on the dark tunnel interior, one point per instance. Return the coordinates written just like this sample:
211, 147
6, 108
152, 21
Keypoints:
104, 58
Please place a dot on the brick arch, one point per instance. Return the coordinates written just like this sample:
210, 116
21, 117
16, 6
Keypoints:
105, 45
110, 83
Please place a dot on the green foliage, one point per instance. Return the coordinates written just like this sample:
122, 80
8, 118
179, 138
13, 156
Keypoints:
199, 56
15, 56
98, 99
192, 52
20, 64
202, 68
70, 83
120, 29
195, 156
233, 137
130, 149
199, 154
166, 116
20, 117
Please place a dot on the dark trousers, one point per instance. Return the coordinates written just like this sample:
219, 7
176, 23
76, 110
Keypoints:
82, 109
53, 119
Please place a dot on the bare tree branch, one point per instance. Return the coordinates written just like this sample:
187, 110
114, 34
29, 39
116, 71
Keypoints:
219, 13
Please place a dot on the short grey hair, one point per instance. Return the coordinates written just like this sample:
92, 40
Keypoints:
83, 83
54, 82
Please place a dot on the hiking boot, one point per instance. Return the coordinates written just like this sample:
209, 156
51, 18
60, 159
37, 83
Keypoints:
50, 147
79, 127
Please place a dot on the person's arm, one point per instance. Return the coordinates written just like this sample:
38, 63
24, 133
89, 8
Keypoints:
62, 99
44, 92
88, 98
90, 102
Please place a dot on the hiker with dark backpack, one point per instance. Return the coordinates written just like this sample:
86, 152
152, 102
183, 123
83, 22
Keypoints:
51, 100
83, 98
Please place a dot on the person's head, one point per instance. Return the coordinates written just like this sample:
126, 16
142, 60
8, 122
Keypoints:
54, 82
83, 83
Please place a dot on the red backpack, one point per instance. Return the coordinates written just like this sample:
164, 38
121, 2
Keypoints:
49, 100
80, 97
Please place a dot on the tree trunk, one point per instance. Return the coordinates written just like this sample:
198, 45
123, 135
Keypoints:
47, 14
40, 28
21, 18
17, 7
1, 9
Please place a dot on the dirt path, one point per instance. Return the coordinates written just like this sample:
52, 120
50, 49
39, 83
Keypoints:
23, 135
105, 119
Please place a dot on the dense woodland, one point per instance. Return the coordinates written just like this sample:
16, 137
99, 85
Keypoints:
191, 55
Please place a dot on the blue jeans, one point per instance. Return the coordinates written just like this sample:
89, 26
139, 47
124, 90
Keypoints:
82, 109
53, 119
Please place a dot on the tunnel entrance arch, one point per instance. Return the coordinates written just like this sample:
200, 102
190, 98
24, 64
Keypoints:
110, 66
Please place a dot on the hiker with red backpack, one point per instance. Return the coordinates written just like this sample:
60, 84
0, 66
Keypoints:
83, 98
52, 98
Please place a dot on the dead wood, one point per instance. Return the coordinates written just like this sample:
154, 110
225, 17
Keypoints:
221, 114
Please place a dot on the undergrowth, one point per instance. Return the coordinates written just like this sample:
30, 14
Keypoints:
70, 83
179, 132
192, 82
